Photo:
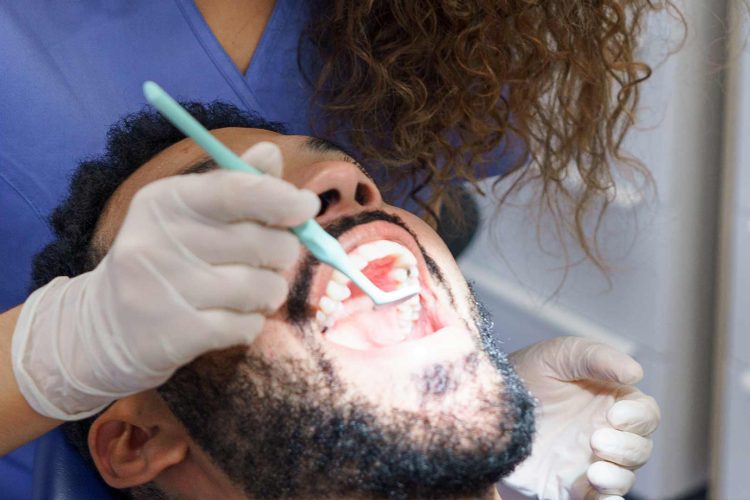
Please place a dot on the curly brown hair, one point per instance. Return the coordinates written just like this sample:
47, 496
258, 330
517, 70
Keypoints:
430, 87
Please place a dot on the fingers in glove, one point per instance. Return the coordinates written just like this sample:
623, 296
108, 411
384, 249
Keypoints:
235, 287
245, 243
227, 196
621, 448
229, 328
635, 412
214, 329
575, 358
583, 490
608, 478
265, 156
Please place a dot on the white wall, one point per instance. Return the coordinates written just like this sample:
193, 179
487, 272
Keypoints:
660, 306
731, 410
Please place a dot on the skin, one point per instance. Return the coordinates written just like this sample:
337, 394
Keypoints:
238, 26
19, 423
138, 440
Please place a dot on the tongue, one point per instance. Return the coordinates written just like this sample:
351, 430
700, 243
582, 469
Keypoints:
378, 272
358, 325
367, 329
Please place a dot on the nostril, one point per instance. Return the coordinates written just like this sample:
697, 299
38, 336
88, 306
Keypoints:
328, 198
362, 194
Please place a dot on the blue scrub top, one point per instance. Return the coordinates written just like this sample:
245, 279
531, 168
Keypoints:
70, 69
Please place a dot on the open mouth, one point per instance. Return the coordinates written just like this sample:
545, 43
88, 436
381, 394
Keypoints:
346, 317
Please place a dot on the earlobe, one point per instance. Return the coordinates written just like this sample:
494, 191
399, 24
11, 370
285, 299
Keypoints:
129, 453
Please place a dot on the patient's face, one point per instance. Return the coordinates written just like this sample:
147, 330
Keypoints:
338, 398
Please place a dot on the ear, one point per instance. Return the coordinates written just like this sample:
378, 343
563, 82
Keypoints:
135, 440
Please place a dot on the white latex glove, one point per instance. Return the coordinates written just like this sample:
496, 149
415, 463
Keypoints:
593, 425
193, 268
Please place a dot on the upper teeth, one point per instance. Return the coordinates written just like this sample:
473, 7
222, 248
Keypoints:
337, 291
404, 272
408, 314
329, 305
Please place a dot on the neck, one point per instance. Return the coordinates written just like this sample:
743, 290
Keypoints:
237, 25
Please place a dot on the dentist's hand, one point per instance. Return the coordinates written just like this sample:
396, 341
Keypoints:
195, 267
593, 425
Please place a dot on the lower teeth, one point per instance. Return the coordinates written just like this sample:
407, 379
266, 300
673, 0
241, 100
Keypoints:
390, 337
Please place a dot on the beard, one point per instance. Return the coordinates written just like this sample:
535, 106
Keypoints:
292, 429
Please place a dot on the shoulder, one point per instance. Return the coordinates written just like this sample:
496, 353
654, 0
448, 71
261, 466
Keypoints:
23, 233
19, 210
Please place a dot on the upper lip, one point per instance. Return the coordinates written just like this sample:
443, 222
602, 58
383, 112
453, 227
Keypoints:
364, 233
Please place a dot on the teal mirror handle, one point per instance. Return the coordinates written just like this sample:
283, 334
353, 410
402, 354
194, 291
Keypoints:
321, 244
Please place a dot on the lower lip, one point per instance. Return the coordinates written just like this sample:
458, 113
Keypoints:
446, 341
432, 319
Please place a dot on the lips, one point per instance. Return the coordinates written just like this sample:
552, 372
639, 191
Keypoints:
391, 258
388, 265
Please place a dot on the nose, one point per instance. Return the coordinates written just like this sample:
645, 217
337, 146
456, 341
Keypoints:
343, 189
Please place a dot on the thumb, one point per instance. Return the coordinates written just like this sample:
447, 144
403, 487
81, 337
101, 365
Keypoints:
265, 156
584, 359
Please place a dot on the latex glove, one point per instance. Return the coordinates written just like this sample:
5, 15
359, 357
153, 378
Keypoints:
593, 425
194, 268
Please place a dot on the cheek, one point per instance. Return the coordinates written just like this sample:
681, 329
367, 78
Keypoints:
429, 239
436, 248
278, 340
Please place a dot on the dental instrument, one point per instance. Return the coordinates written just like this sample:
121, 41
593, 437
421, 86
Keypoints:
322, 245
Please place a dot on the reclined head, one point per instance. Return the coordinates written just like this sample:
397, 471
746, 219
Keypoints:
333, 399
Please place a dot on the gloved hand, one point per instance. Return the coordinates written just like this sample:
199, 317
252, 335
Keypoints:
593, 425
194, 268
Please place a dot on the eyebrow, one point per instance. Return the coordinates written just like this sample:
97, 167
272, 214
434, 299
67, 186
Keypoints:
200, 167
320, 145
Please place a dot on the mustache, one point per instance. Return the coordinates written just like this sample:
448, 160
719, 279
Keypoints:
297, 309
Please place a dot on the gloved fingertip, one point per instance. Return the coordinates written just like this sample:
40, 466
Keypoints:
265, 156
576, 358
288, 253
603, 438
309, 205
631, 371
250, 338
277, 291
610, 479
633, 416
615, 366
621, 448
623, 414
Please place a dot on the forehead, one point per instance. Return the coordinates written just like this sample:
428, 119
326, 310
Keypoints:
186, 153
181, 156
